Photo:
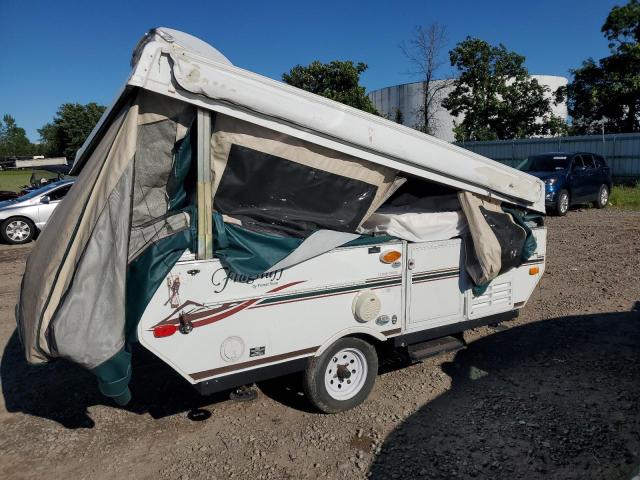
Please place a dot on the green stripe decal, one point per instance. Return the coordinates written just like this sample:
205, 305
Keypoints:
330, 291
435, 275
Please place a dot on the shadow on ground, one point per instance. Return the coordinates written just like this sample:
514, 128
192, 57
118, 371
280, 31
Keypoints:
62, 391
554, 399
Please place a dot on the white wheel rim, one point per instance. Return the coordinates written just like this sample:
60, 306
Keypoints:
604, 196
564, 202
346, 374
18, 230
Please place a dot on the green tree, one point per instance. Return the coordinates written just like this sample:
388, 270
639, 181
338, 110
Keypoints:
606, 94
337, 80
13, 139
496, 95
70, 128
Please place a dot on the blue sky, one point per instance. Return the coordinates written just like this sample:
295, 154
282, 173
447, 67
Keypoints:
78, 51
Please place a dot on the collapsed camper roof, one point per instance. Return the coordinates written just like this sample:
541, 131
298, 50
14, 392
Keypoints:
183, 67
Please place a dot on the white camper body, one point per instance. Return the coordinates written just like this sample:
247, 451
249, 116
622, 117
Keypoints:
248, 329
173, 158
234, 330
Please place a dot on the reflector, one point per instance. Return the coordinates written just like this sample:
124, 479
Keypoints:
390, 256
534, 270
164, 330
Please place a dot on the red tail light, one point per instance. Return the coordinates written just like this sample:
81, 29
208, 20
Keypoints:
164, 330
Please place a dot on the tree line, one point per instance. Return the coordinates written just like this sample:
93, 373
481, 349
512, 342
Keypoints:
491, 93
62, 137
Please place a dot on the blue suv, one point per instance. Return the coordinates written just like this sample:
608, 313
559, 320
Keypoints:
571, 178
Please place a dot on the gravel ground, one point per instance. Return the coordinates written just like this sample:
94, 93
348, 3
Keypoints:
552, 394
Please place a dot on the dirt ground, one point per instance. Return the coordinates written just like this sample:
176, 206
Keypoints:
552, 394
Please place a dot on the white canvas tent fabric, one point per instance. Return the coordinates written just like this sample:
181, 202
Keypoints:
72, 300
316, 244
419, 220
492, 253
172, 62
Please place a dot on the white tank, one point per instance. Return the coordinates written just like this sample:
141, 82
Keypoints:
407, 98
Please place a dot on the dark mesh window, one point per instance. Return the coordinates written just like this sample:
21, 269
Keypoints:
511, 237
276, 193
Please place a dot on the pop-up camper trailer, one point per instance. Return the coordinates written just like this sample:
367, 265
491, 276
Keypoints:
241, 229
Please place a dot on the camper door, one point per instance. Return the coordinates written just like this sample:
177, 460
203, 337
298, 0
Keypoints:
436, 285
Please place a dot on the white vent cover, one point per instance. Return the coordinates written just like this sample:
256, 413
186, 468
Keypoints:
497, 298
366, 306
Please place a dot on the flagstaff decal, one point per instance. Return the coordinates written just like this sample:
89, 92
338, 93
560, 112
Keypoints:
221, 277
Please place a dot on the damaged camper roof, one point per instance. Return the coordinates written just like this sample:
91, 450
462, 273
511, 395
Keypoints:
182, 67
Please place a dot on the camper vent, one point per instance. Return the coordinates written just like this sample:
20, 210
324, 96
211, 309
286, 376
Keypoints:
497, 298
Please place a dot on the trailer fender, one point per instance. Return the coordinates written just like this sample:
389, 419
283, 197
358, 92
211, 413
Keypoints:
355, 330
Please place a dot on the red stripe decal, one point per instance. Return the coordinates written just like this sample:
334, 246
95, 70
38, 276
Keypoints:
220, 312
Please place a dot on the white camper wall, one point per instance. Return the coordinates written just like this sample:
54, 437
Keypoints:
273, 318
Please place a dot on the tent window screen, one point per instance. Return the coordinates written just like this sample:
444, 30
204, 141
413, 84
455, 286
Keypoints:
290, 196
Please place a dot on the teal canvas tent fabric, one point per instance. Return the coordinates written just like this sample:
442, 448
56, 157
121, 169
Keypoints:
248, 253
127, 219
147, 271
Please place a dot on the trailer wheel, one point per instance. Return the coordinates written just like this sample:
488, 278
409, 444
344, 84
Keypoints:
343, 376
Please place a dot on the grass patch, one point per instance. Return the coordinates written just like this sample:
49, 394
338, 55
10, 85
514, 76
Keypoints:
15, 179
625, 197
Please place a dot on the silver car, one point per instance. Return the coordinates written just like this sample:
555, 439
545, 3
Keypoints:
23, 217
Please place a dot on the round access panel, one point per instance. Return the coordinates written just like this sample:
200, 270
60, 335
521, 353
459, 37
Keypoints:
232, 349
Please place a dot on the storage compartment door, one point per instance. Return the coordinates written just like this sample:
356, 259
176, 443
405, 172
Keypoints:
436, 289
497, 298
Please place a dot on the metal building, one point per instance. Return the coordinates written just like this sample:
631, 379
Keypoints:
402, 102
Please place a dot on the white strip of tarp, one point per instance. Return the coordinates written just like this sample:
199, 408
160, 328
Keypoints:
418, 219
319, 242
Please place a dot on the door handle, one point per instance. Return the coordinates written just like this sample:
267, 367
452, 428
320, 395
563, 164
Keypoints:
411, 264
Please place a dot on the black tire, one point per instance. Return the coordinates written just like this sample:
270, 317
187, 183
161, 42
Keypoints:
314, 384
603, 197
10, 227
562, 203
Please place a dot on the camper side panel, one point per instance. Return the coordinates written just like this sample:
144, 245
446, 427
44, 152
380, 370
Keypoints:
234, 323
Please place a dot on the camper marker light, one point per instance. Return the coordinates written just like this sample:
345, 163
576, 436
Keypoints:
164, 330
534, 270
390, 256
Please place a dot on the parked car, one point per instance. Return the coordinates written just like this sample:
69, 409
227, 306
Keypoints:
21, 218
571, 178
